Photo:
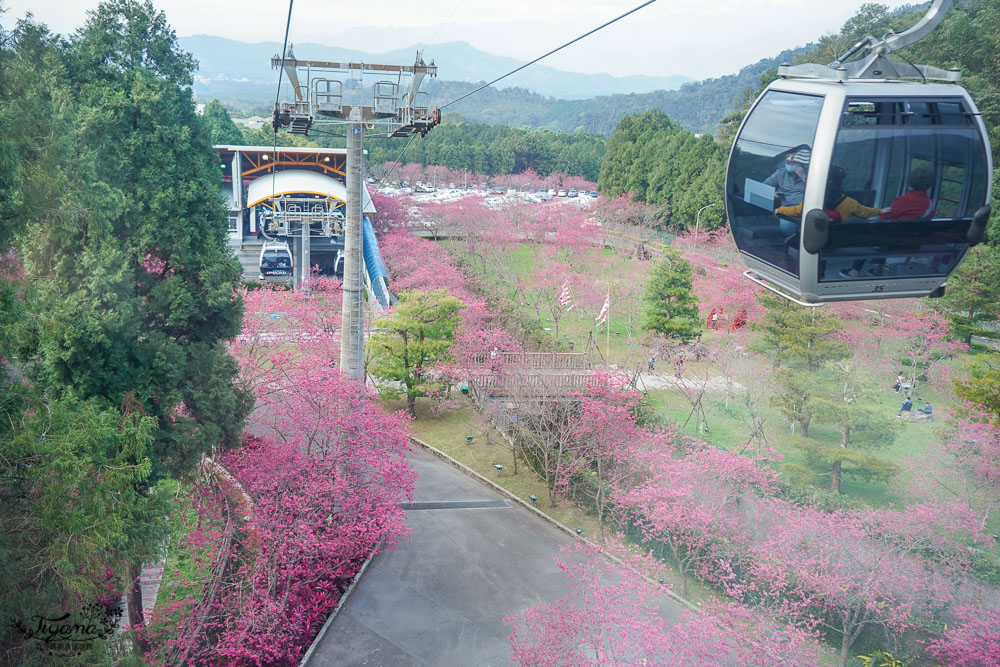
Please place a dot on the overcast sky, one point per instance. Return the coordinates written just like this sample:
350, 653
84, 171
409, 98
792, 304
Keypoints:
699, 38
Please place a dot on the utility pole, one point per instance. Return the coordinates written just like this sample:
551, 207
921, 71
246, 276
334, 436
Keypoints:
396, 108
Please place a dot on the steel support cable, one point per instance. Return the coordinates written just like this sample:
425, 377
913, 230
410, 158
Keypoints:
515, 71
446, 22
277, 97
546, 55
396, 162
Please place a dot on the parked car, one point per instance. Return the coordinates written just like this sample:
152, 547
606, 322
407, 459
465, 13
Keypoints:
571, 193
562, 193
593, 193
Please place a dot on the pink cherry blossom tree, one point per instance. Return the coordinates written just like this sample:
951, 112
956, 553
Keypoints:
610, 616
975, 642
688, 502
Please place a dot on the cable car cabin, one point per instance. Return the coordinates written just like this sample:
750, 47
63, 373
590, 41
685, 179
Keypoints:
858, 189
275, 260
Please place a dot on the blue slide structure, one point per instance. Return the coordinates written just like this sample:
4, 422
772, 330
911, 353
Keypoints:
376, 272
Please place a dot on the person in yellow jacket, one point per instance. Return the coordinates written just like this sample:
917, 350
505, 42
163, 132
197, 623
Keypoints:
835, 201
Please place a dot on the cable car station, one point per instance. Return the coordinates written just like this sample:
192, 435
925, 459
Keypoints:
287, 211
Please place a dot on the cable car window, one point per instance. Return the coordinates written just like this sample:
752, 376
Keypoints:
912, 172
769, 168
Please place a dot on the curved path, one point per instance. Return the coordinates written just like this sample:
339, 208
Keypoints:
441, 597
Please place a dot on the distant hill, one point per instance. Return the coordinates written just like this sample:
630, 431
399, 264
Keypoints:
698, 106
222, 59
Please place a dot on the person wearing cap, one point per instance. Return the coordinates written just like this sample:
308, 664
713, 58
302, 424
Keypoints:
789, 180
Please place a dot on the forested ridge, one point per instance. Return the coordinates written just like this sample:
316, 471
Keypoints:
476, 147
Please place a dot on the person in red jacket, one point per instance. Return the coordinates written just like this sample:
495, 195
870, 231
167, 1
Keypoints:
916, 203
913, 205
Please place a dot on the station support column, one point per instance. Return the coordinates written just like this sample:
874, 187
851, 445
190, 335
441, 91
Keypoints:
352, 341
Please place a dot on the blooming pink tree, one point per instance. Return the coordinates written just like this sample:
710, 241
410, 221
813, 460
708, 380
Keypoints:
605, 436
688, 503
973, 643
842, 569
922, 340
609, 617
962, 467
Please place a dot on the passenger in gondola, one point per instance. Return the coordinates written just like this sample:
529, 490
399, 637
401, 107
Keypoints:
916, 203
789, 183
913, 205
837, 205
789, 180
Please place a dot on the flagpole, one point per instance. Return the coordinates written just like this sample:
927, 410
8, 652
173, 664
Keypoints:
607, 324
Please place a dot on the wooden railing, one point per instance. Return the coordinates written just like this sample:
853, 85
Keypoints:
554, 361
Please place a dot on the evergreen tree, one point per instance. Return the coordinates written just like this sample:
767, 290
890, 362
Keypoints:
982, 387
798, 337
672, 308
130, 293
413, 340
221, 128
142, 299
973, 294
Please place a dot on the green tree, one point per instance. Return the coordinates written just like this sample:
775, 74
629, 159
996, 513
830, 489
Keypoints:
133, 291
76, 500
799, 337
672, 308
139, 289
982, 387
794, 397
413, 340
221, 128
863, 424
973, 294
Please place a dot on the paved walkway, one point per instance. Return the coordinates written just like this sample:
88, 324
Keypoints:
441, 597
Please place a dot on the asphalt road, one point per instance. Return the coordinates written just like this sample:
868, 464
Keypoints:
440, 598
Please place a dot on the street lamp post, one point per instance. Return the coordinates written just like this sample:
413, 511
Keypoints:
697, 219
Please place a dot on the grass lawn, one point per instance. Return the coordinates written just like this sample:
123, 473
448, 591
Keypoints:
727, 428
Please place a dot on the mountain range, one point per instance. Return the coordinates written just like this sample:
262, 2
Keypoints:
238, 74
220, 58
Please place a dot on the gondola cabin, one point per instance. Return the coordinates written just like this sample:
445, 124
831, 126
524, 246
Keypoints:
858, 189
275, 260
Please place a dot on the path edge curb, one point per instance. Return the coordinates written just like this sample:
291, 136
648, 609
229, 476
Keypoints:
309, 654
538, 513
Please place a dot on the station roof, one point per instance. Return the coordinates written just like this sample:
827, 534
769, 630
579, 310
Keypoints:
257, 160
301, 181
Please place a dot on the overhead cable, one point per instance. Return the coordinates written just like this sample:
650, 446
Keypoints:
558, 48
277, 96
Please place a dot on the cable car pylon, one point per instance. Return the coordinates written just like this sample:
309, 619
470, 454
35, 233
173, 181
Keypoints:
397, 106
